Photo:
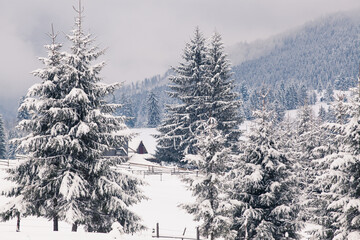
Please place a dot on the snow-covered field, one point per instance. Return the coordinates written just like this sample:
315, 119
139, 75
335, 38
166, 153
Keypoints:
165, 193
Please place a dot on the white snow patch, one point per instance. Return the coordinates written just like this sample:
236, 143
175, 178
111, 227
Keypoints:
83, 129
354, 235
141, 159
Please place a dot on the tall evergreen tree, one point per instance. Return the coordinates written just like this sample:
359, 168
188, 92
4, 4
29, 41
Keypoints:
308, 137
329, 93
220, 99
177, 128
279, 110
244, 92
303, 97
11, 144
2, 140
322, 114
291, 97
40, 101
281, 94
203, 88
212, 207
104, 194
330, 115
66, 175
127, 110
262, 186
307, 133
336, 184
153, 110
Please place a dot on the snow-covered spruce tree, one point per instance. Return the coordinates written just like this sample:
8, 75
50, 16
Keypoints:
13, 133
329, 93
126, 110
153, 110
219, 99
203, 88
322, 114
286, 135
16, 133
308, 134
336, 195
330, 115
29, 197
262, 186
308, 137
176, 129
97, 195
212, 206
22, 113
70, 128
2, 139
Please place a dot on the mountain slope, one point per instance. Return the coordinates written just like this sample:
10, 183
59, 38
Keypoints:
314, 54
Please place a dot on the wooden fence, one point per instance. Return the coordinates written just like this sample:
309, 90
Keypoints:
183, 237
151, 169
8, 162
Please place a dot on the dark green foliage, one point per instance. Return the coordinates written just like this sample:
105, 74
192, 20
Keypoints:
3, 154
244, 93
127, 110
329, 94
322, 114
153, 110
344, 83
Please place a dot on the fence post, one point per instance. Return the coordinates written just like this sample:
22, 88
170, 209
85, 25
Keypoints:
18, 222
197, 233
184, 233
157, 230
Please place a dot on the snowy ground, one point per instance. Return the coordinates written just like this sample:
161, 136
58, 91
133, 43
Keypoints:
165, 193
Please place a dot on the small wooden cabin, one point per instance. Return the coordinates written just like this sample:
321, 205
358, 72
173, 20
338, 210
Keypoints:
143, 145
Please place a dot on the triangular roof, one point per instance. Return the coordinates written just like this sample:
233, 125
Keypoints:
141, 149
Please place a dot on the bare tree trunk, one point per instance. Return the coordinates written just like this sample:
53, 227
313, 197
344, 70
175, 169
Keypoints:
56, 223
18, 222
55, 217
74, 227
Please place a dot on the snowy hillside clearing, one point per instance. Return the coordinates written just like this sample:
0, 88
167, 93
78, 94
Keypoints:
165, 193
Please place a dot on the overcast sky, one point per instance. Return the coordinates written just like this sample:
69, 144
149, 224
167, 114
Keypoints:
143, 37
